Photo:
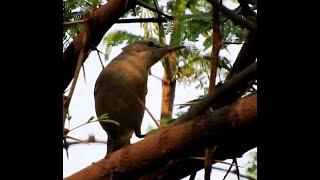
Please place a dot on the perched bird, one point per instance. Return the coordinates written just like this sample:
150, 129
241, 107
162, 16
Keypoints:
121, 85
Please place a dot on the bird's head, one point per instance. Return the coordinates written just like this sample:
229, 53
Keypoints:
149, 50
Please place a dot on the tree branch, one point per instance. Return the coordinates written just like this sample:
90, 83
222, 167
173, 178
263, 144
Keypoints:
181, 167
135, 161
245, 58
231, 85
154, 10
91, 139
216, 45
233, 16
241, 175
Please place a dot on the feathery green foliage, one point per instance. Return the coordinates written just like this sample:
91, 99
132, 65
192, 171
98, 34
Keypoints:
74, 10
252, 169
117, 37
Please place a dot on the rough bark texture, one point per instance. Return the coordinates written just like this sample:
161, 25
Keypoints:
232, 124
100, 21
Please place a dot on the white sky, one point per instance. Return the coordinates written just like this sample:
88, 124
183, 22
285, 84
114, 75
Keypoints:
82, 108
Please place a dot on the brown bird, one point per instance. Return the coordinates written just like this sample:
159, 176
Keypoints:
121, 85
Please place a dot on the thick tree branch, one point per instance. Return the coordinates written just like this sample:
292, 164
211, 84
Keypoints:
102, 19
246, 56
233, 16
246, 11
137, 160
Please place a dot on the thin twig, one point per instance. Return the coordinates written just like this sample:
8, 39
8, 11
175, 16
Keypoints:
228, 170
66, 24
76, 75
158, 78
84, 74
75, 78
91, 139
100, 59
79, 140
193, 176
154, 119
237, 169
241, 175
154, 10
215, 161
140, 20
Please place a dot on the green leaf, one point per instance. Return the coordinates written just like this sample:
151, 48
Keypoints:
105, 118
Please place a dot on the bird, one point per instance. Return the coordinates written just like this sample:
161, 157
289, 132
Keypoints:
121, 87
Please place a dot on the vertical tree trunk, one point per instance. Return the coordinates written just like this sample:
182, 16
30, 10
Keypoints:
216, 45
168, 87
169, 78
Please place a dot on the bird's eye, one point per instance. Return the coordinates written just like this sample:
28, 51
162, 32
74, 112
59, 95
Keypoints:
150, 44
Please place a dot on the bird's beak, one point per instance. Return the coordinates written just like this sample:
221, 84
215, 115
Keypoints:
173, 48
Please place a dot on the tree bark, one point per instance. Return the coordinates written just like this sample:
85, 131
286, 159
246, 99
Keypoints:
168, 88
232, 124
100, 21
216, 45
245, 58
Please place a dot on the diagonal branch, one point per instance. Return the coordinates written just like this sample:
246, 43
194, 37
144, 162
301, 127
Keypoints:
233, 16
242, 77
135, 161
245, 58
